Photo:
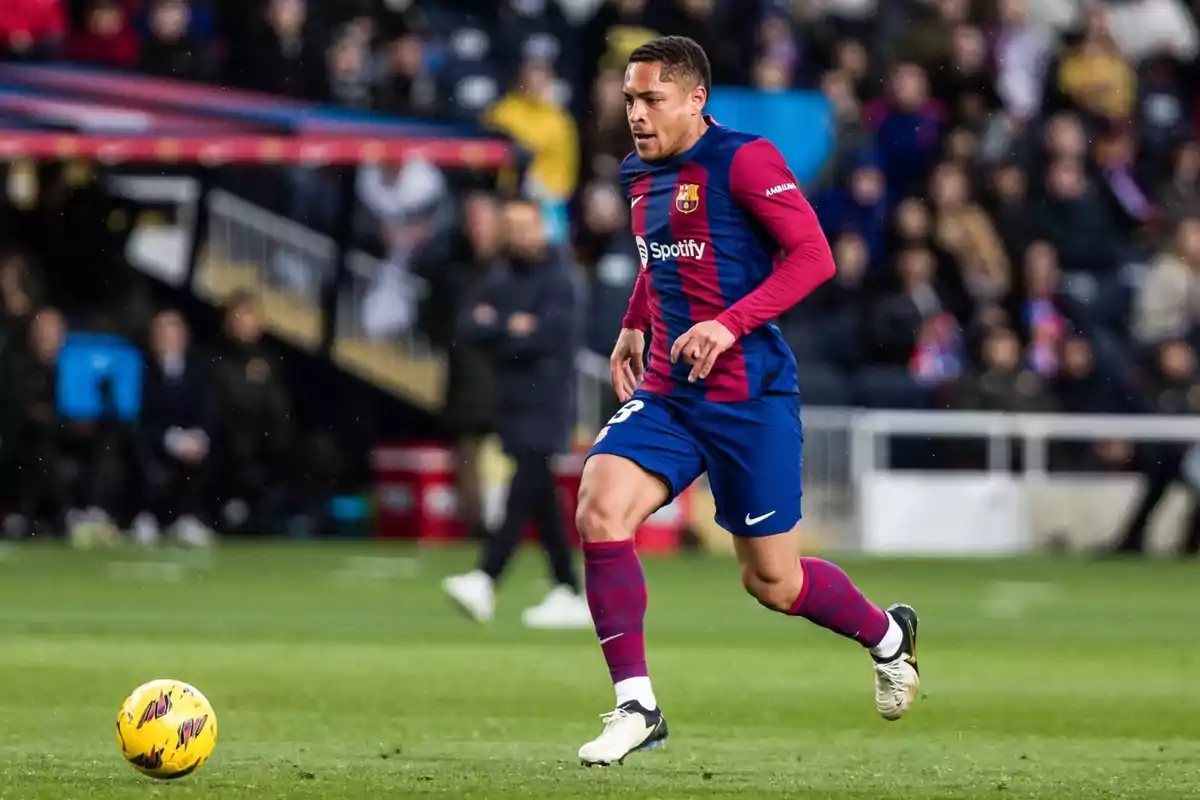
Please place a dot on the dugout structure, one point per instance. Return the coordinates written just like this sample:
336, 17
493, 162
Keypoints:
127, 125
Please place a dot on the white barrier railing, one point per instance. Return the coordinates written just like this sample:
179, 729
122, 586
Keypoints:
1034, 430
996, 510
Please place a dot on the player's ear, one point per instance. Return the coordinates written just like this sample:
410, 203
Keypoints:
699, 99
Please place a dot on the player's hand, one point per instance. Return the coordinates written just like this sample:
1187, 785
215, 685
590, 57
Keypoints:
626, 363
700, 347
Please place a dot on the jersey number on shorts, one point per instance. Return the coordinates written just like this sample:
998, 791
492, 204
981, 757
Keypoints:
626, 411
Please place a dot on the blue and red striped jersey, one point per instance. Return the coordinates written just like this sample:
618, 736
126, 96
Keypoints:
724, 233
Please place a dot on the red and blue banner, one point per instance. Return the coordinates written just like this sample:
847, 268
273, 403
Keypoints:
60, 111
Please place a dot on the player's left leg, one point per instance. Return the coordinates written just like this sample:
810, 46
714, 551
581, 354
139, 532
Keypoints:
753, 454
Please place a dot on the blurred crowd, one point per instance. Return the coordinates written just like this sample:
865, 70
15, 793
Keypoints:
210, 446
1013, 196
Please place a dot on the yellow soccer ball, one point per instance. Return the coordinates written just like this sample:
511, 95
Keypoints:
166, 729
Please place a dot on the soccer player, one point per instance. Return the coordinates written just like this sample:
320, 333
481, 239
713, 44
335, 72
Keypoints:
727, 244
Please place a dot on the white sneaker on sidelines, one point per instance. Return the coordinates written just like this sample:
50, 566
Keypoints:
475, 594
91, 528
145, 530
628, 728
191, 532
561, 609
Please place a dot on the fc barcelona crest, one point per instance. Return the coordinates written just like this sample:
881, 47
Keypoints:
688, 198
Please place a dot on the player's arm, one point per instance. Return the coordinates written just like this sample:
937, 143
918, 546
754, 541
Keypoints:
637, 314
627, 361
764, 186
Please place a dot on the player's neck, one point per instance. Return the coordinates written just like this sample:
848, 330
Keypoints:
694, 136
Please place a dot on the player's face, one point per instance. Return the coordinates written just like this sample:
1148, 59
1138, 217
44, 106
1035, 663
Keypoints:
663, 115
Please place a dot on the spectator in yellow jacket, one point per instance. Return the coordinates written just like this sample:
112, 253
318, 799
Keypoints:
532, 115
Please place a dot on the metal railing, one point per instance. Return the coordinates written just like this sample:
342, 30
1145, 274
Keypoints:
872, 432
362, 274
249, 248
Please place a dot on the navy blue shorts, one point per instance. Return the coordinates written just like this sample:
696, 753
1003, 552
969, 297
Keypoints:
752, 452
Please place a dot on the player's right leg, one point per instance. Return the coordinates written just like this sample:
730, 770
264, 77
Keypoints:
639, 462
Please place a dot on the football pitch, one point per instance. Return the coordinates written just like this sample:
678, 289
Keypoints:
340, 672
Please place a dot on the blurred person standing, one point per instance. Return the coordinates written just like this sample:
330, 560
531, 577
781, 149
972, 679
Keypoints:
349, 70
1179, 195
254, 446
42, 493
1175, 391
1003, 383
168, 49
1093, 75
1167, 304
530, 314
31, 29
107, 40
18, 288
405, 203
532, 114
468, 411
279, 54
405, 85
178, 417
908, 126
69, 471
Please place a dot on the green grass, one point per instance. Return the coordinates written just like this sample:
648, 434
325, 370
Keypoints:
339, 672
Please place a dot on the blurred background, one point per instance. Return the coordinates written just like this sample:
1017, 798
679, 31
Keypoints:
241, 245
237, 238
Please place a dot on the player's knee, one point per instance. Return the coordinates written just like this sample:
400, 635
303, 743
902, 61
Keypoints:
775, 591
598, 521
615, 497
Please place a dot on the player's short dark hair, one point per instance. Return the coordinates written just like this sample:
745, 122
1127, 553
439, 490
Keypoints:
679, 56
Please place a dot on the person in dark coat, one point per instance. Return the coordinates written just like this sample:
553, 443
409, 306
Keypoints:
1176, 391
468, 413
178, 425
529, 312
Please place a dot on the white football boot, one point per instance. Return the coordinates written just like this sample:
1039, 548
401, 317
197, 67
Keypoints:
628, 728
475, 594
561, 609
897, 679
